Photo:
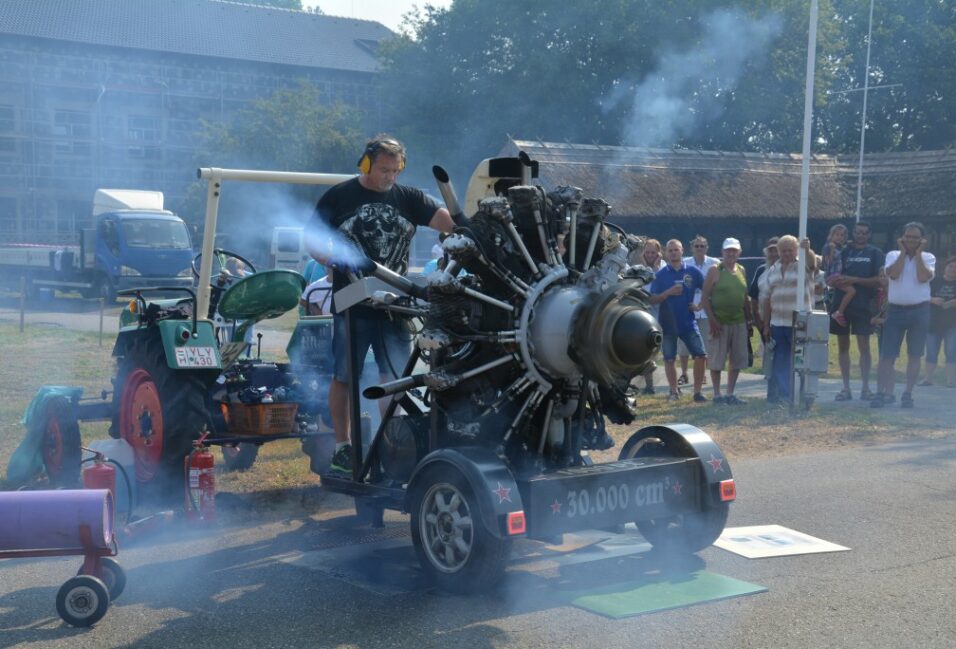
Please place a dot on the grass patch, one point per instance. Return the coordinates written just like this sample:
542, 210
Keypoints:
50, 354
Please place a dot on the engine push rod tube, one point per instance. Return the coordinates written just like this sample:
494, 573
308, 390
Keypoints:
434, 378
527, 410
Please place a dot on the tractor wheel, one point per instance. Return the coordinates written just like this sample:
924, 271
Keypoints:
61, 443
159, 411
239, 457
681, 533
451, 542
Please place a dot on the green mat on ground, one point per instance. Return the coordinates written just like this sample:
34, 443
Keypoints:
625, 599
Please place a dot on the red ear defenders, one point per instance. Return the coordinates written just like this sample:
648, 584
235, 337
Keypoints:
365, 162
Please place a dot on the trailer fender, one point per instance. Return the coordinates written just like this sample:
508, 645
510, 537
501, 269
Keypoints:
690, 441
491, 481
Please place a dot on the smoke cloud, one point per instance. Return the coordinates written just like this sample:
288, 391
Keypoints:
673, 100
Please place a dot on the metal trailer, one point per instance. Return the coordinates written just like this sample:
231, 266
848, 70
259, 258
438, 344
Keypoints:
469, 500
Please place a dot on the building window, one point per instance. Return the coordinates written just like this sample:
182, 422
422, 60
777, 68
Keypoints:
8, 217
145, 152
8, 126
71, 216
72, 125
144, 129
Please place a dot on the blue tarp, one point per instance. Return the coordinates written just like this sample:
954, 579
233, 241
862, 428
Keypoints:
27, 461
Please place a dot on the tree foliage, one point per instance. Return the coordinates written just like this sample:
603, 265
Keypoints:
292, 130
715, 74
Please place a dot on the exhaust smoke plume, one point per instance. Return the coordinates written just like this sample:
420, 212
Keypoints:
689, 88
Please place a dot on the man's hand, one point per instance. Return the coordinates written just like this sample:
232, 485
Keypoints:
714, 327
899, 244
938, 301
676, 289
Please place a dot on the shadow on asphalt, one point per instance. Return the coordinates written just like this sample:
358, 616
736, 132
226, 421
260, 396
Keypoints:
250, 592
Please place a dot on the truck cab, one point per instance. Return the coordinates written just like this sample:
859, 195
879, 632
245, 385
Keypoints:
137, 243
141, 248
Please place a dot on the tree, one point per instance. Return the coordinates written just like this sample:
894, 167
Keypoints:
292, 130
715, 74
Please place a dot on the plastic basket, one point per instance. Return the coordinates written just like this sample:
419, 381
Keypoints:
260, 418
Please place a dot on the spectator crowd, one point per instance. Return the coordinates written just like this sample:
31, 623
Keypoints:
709, 309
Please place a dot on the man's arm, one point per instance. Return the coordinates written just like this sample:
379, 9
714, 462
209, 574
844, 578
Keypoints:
709, 282
925, 269
441, 221
894, 270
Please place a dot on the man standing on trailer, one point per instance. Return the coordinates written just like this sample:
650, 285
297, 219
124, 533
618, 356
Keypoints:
379, 216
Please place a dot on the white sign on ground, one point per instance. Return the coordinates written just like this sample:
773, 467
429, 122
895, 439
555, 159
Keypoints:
761, 541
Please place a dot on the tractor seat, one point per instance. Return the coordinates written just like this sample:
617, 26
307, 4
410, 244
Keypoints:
266, 294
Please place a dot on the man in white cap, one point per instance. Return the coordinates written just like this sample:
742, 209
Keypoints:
724, 299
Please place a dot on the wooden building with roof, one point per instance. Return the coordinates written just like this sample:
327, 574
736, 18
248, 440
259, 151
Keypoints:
751, 196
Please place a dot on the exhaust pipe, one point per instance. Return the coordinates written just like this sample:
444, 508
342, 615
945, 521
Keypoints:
449, 196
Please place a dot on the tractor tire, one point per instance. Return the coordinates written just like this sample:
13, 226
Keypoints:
168, 405
682, 533
239, 457
458, 554
61, 443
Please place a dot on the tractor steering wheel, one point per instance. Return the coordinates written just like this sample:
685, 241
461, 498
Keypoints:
221, 259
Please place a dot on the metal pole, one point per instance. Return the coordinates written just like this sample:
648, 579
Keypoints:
866, 88
23, 301
805, 170
208, 243
804, 186
102, 308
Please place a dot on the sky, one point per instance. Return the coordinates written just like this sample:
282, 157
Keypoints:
387, 12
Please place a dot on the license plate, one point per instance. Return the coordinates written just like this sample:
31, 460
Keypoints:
195, 357
604, 495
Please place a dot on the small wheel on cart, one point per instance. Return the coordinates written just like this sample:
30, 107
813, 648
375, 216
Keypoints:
240, 456
370, 513
112, 575
682, 533
450, 539
82, 600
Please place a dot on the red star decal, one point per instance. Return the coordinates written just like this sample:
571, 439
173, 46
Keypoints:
716, 463
677, 488
555, 507
503, 493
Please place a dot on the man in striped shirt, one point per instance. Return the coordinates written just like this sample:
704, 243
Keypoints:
779, 304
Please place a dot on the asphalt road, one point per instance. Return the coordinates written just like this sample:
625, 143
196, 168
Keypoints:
267, 581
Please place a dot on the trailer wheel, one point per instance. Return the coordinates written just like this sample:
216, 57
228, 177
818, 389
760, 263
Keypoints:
112, 575
82, 601
451, 542
239, 457
159, 411
683, 533
61, 443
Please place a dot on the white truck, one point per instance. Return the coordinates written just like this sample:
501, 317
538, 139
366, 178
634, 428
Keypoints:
135, 242
287, 249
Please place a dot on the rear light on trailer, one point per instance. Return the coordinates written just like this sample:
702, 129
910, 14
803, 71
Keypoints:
728, 490
516, 523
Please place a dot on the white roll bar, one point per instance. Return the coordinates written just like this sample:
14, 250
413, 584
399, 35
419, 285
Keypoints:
215, 176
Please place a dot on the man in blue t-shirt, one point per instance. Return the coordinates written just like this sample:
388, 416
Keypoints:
673, 289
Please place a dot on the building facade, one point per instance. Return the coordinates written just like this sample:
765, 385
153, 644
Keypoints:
113, 93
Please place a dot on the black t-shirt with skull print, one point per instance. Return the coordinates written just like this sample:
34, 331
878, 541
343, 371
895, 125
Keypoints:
380, 224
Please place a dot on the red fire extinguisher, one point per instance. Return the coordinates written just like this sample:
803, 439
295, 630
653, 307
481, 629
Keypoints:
100, 475
200, 484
